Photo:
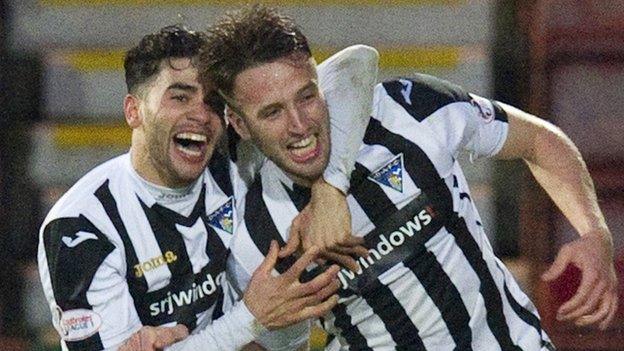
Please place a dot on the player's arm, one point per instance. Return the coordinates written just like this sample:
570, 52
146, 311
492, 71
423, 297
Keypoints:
79, 269
347, 80
558, 167
240, 267
150, 338
269, 303
487, 128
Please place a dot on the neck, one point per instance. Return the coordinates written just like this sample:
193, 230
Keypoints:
163, 194
140, 163
302, 181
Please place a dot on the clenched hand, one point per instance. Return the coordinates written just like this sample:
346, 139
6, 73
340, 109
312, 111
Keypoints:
326, 223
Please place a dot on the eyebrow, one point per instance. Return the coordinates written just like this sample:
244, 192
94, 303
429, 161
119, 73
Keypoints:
311, 84
183, 86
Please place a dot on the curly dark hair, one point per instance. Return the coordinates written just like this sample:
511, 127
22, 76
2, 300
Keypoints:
143, 61
247, 38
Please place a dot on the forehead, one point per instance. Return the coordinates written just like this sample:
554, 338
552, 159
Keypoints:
273, 81
175, 70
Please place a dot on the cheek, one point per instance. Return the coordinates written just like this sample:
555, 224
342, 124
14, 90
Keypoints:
269, 136
157, 131
318, 113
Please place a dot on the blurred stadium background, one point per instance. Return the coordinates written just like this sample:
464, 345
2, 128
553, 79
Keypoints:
61, 91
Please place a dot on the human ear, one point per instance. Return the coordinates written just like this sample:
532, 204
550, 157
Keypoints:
131, 111
238, 123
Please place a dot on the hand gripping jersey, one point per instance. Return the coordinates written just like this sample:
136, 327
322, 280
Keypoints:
431, 280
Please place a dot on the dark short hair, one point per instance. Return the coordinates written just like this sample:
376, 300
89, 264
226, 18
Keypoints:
143, 61
247, 38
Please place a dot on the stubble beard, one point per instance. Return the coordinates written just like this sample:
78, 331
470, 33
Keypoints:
160, 158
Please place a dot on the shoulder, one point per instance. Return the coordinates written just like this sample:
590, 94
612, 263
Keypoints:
70, 232
76, 235
420, 95
80, 199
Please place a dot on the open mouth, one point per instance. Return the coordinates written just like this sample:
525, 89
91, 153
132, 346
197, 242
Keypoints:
192, 144
304, 148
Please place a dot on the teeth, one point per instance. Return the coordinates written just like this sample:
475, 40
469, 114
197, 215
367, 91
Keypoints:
192, 136
303, 143
188, 151
304, 146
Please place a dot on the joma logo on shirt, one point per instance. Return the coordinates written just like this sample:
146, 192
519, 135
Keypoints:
153, 263
80, 237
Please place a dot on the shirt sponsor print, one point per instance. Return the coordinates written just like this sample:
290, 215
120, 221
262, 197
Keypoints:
187, 297
385, 244
154, 262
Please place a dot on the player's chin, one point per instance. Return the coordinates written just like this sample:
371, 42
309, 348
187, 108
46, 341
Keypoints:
188, 172
187, 176
310, 172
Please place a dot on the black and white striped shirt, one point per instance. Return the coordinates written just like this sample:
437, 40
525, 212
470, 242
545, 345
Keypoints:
116, 253
431, 281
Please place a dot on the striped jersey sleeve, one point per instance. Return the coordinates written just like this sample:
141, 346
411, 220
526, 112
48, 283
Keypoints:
82, 275
461, 121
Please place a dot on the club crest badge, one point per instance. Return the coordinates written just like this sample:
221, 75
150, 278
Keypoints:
391, 174
223, 217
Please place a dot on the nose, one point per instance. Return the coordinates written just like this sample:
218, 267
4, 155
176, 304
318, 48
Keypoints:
298, 121
203, 113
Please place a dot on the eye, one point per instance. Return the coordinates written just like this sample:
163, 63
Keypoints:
271, 113
181, 98
309, 95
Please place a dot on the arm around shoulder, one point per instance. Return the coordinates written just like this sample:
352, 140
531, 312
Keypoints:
347, 80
